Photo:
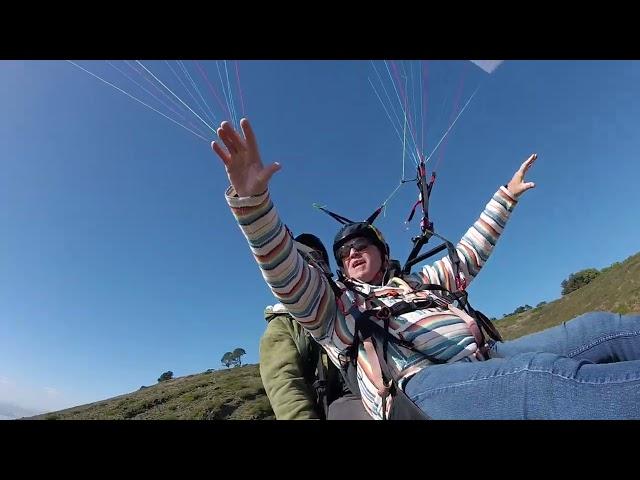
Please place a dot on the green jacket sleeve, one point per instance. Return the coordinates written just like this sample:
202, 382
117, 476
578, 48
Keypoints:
282, 372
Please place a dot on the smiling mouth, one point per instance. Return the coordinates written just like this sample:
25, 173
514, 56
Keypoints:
357, 263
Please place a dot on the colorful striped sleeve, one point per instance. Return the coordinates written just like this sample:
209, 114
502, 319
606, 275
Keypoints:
303, 289
476, 245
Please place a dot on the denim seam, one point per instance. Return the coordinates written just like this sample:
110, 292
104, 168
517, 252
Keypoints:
468, 382
600, 340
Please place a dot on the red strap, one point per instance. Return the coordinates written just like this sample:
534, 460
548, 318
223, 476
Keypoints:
461, 282
413, 210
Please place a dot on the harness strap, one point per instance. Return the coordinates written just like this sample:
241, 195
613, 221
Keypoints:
473, 326
320, 385
376, 370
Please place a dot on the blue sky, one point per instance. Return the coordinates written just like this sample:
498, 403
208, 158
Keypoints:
119, 259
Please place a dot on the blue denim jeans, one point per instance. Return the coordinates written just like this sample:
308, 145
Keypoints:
587, 368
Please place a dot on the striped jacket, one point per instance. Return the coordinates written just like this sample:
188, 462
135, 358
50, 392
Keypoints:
307, 295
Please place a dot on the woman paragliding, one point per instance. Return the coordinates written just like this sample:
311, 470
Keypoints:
407, 341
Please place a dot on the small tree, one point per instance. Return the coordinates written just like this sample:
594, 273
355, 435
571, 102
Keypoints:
541, 304
227, 359
165, 376
578, 280
237, 355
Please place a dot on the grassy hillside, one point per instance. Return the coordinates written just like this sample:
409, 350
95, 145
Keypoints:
616, 290
231, 394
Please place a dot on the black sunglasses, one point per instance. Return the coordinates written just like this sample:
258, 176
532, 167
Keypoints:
358, 244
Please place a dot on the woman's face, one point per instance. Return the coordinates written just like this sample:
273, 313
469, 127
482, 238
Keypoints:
361, 260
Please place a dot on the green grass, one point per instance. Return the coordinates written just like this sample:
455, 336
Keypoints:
616, 290
236, 393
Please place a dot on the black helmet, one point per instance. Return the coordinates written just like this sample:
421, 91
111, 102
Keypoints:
359, 229
315, 243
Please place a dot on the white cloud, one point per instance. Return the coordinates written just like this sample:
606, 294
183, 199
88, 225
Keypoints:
51, 392
18, 396
9, 411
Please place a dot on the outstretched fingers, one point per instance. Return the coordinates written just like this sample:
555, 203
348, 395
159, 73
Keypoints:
268, 171
527, 163
229, 138
252, 143
221, 152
